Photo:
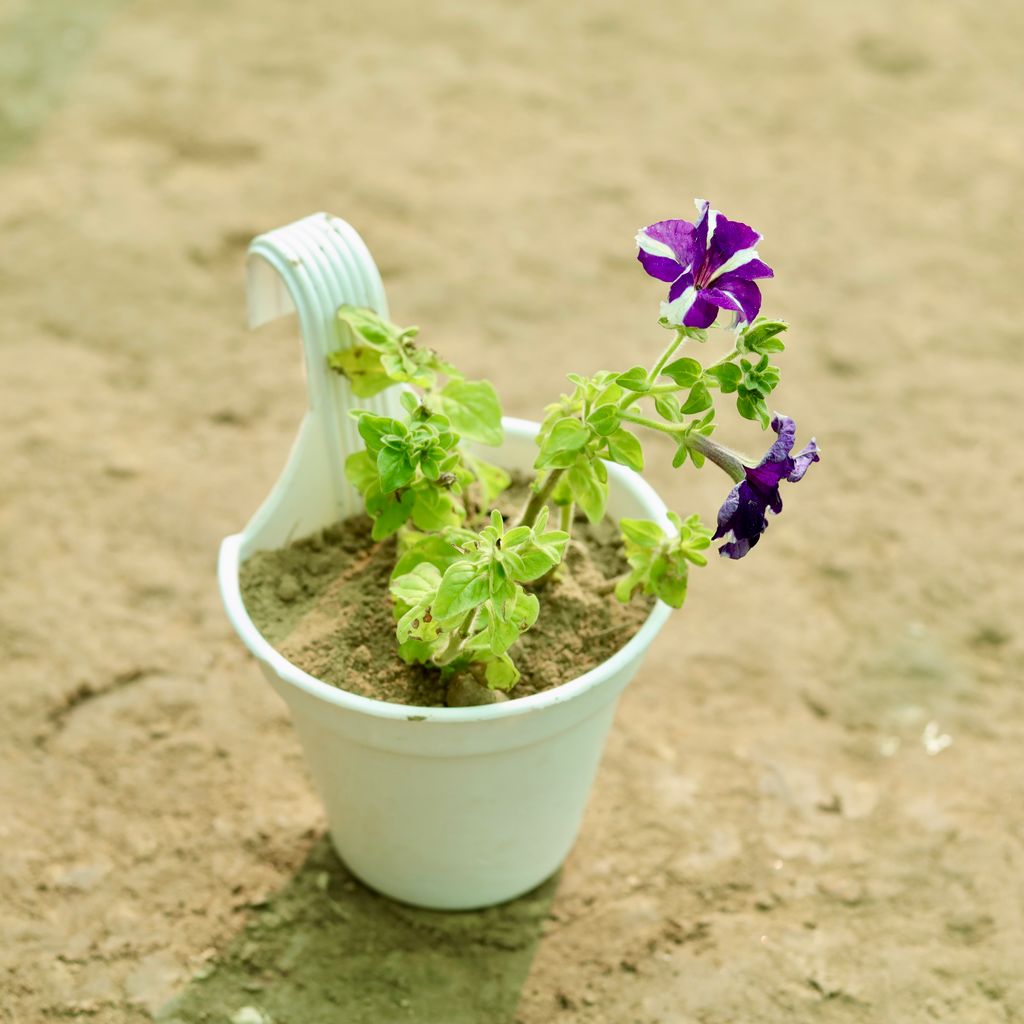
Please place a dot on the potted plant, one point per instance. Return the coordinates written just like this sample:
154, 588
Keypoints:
455, 807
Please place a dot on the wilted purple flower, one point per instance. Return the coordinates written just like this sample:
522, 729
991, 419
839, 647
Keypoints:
744, 513
712, 264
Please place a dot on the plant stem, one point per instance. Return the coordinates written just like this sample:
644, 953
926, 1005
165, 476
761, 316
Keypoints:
728, 358
654, 372
566, 517
724, 458
451, 652
665, 356
664, 428
539, 498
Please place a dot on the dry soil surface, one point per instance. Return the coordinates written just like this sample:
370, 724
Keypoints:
810, 808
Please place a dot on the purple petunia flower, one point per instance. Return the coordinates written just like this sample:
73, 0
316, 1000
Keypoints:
744, 513
712, 265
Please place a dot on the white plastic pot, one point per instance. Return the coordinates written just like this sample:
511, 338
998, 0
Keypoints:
448, 808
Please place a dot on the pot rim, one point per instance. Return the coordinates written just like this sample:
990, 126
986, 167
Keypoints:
229, 563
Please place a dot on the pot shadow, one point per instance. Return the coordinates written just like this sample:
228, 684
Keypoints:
325, 949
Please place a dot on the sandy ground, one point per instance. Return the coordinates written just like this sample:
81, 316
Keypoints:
810, 808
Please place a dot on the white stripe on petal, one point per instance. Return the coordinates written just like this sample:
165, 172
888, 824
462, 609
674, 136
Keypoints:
737, 259
675, 310
653, 246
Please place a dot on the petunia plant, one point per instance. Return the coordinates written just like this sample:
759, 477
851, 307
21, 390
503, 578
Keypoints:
466, 578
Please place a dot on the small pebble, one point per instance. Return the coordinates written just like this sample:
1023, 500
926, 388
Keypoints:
465, 692
319, 564
287, 587
249, 1015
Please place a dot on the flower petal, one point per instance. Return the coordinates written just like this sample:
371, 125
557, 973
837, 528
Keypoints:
669, 239
687, 306
742, 517
730, 245
661, 267
678, 287
746, 272
681, 296
737, 548
802, 461
703, 230
726, 513
702, 313
785, 427
742, 296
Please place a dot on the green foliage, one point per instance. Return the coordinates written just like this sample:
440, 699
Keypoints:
705, 427
413, 469
624, 448
375, 354
459, 599
659, 563
634, 379
460, 592
758, 381
685, 371
473, 408
409, 470
762, 337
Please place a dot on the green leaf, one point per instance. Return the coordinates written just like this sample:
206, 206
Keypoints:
417, 586
634, 379
358, 323
728, 376
588, 491
525, 610
642, 532
474, 410
361, 365
395, 468
605, 419
500, 587
567, 436
361, 470
624, 448
463, 588
685, 372
668, 407
668, 581
751, 406
390, 512
698, 400
762, 336
373, 429
625, 586
493, 479
532, 560
610, 394
501, 674
435, 509
503, 634
435, 549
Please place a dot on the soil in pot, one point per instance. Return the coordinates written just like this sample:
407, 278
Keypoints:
323, 602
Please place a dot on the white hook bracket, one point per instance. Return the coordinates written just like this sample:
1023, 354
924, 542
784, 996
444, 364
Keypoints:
312, 267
